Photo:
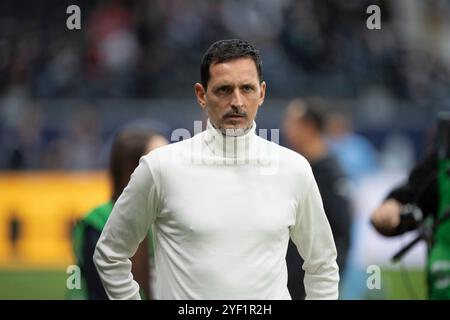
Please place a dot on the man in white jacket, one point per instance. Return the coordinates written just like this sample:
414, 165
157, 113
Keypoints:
222, 204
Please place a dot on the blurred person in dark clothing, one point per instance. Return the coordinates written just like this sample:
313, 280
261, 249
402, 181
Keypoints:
303, 127
128, 147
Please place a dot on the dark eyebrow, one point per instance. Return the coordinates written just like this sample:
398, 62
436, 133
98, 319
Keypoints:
222, 86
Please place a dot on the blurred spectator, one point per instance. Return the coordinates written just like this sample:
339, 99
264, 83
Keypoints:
113, 49
83, 141
303, 126
25, 148
129, 145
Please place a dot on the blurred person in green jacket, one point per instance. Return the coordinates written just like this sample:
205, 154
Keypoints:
422, 203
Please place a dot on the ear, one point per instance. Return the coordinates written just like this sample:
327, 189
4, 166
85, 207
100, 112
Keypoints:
263, 93
200, 92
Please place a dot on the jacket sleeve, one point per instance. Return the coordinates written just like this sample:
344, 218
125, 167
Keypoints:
128, 224
94, 286
421, 189
314, 240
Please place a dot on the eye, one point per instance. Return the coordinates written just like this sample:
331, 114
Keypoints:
223, 90
247, 88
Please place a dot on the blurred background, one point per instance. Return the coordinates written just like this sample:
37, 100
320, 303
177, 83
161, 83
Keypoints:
64, 93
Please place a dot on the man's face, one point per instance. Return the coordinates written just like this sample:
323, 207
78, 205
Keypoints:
296, 131
233, 95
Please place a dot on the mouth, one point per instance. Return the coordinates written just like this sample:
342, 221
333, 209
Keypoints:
234, 117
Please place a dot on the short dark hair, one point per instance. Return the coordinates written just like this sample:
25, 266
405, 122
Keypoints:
225, 50
313, 110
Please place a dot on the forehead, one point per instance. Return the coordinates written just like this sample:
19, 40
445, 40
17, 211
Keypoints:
295, 114
241, 69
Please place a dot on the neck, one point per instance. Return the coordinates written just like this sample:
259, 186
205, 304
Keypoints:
229, 143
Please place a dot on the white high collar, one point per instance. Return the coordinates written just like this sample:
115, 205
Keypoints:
229, 146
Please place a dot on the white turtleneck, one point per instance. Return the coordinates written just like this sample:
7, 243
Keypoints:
222, 211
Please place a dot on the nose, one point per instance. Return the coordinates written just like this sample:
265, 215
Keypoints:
237, 99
